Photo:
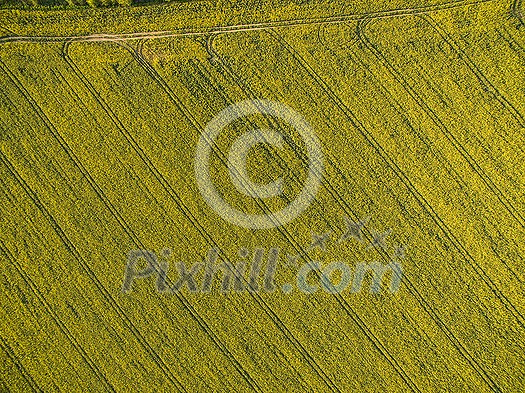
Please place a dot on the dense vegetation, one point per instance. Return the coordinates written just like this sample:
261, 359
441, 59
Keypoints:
420, 109
92, 3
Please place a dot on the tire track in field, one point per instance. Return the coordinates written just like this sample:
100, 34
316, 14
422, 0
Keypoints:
474, 69
138, 56
349, 211
511, 41
399, 78
184, 209
429, 309
69, 245
41, 298
342, 302
244, 27
424, 203
449, 234
437, 121
515, 46
139, 244
14, 359
129, 138
202, 70
517, 11
450, 169
375, 341
414, 291
418, 196
152, 168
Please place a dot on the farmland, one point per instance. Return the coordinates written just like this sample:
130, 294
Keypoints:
419, 108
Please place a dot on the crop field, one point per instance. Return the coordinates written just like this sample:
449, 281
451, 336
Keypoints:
419, 110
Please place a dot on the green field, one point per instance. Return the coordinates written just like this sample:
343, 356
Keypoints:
420, 111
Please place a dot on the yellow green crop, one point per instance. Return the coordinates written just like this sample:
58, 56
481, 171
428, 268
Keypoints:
419, 109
